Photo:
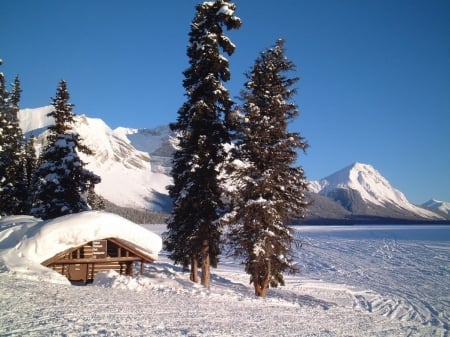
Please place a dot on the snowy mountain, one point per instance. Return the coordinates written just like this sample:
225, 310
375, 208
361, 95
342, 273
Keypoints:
441, 206
134, 164
362, 190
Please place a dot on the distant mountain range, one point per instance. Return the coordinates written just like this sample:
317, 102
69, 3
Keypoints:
135, 168
362, 194
440, 206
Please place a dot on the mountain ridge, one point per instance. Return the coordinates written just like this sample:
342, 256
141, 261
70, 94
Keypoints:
441, 206
135, 168
362, 190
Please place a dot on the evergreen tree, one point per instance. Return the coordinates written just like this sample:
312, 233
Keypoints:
94, 200
4, 160
4, 94
193, 235
62, 181
11, 147
30, 160
268, 190
29, 163
15, 96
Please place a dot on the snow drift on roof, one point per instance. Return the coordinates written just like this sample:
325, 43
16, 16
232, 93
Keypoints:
25, 244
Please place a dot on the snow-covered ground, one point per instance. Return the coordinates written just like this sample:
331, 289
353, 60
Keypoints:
354, 281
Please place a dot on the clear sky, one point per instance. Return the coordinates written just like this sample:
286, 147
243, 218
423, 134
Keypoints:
375, 75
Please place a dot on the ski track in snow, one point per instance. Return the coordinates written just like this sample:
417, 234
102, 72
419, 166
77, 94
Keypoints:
407, 279
353, 282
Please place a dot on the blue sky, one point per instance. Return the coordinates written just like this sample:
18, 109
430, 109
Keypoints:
375, 75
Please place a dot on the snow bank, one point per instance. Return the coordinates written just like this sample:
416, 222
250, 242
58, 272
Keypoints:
26, 242
148, 281
112, 279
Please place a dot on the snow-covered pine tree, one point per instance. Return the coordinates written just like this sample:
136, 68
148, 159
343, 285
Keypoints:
94, 200
12, 180
16, 93
4, 149
29, 162
62, 182
4, 94
193, 235
21, 185
268, 189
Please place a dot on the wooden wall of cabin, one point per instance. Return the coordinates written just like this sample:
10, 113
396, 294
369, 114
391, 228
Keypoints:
98, 249
87, 271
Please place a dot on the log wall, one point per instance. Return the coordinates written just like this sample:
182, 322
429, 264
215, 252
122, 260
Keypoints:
84, 262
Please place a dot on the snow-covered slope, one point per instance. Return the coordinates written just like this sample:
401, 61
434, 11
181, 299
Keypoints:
360, 281
134, 164
441, 206
361, 189
35, 120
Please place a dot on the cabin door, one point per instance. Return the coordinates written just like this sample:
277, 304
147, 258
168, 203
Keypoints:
78, 272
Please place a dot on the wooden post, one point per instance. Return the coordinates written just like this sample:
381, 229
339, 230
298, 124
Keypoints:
142, 267
87, 272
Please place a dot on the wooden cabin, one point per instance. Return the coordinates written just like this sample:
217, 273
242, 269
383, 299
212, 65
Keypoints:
82, 263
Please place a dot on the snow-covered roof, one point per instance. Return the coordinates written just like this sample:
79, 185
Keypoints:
26, 242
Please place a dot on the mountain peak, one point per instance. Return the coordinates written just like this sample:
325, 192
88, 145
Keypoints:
360, 167
442, 206
350, 174
361, 184
363, 178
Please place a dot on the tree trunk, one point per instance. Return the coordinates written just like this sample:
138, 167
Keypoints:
262, 280
206, 265
194, 269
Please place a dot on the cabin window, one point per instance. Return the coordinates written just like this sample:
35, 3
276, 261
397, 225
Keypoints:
78, 253
113, 250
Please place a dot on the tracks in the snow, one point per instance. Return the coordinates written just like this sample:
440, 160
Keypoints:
407, 280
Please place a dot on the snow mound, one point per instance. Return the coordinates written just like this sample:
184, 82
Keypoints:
26, 242
148, 281
112, 279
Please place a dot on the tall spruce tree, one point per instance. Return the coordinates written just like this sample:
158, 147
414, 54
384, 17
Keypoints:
62, 181
11, 150
4, 139
29, 165
268, 189
193, 235
16, 93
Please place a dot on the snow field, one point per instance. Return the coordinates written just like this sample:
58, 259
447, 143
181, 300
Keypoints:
354, 281
400, 272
